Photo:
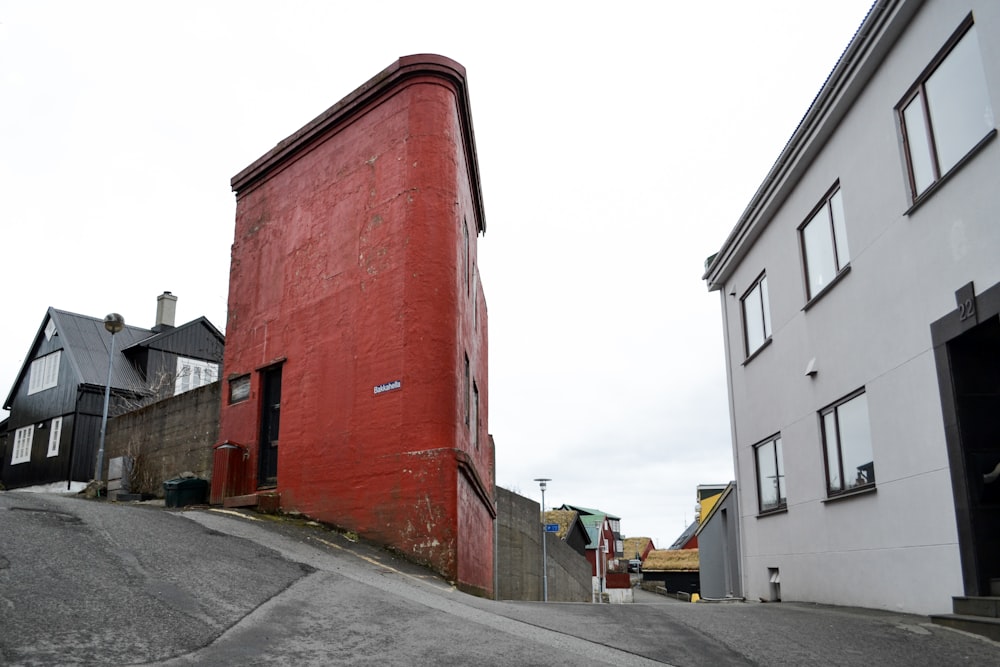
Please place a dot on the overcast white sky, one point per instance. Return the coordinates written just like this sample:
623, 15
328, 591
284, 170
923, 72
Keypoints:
618, 145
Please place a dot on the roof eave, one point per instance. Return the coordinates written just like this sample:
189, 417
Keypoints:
879, 30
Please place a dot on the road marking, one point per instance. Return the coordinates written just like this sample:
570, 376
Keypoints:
377, 563
234, 513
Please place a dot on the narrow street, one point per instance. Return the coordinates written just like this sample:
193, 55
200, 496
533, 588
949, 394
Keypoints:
96, 583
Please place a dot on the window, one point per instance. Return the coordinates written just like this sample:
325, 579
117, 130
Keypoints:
44, 372
474, 419
466, 388
770, 476
824, 243
475, 297
947, 113
194, 373
22, 445
847, 445
55, 432
466, 253
239, 389
756, 316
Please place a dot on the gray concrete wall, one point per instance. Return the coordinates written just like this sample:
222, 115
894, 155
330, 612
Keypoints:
167, 438
519, 556
718, 551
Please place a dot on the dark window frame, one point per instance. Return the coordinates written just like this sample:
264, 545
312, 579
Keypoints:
782, 504
841, 268
233, 383
918, 90
474, 425
833, 409
467, 388
765, 320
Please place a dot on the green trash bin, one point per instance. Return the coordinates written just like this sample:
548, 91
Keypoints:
185, 491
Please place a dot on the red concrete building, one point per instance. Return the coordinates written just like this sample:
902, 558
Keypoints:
356, 354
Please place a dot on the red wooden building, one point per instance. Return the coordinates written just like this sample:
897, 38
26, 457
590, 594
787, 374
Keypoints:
356, 354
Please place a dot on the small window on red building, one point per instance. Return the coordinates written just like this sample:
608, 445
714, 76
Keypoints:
239, 389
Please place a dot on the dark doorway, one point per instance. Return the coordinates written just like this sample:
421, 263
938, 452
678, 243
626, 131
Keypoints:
974, 358
269, 422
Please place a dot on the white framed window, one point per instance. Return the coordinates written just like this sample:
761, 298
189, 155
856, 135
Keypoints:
824, 243
194, 373
770, 475
756, 316
44, 372
947, 112
847, 444
23, 438
55, 433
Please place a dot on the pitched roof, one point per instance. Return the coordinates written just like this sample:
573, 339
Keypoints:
586, 510
86, 345
685, 536
635, 545
715, 506
671, 560
565, 519
156, 337
593, 524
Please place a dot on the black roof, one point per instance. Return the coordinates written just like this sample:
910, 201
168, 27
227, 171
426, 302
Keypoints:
86, 345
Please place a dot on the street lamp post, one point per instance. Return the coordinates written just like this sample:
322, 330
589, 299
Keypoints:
113, 323
545, 570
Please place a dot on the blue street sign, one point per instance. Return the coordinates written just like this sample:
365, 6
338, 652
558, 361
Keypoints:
552, 528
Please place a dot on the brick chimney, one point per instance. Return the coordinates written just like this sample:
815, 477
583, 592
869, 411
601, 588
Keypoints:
166, 306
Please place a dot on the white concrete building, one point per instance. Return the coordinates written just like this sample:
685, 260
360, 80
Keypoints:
860, 296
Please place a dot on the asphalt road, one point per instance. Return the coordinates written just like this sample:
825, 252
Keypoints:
97, 583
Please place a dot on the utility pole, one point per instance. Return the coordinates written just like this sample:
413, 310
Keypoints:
545, 570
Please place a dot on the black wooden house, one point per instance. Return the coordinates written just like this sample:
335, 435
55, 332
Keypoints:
53, 429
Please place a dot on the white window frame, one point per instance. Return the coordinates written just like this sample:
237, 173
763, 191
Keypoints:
44, 373
194, 373
23, 438
55, 434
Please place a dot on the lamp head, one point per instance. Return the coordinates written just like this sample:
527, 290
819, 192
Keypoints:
114, 323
